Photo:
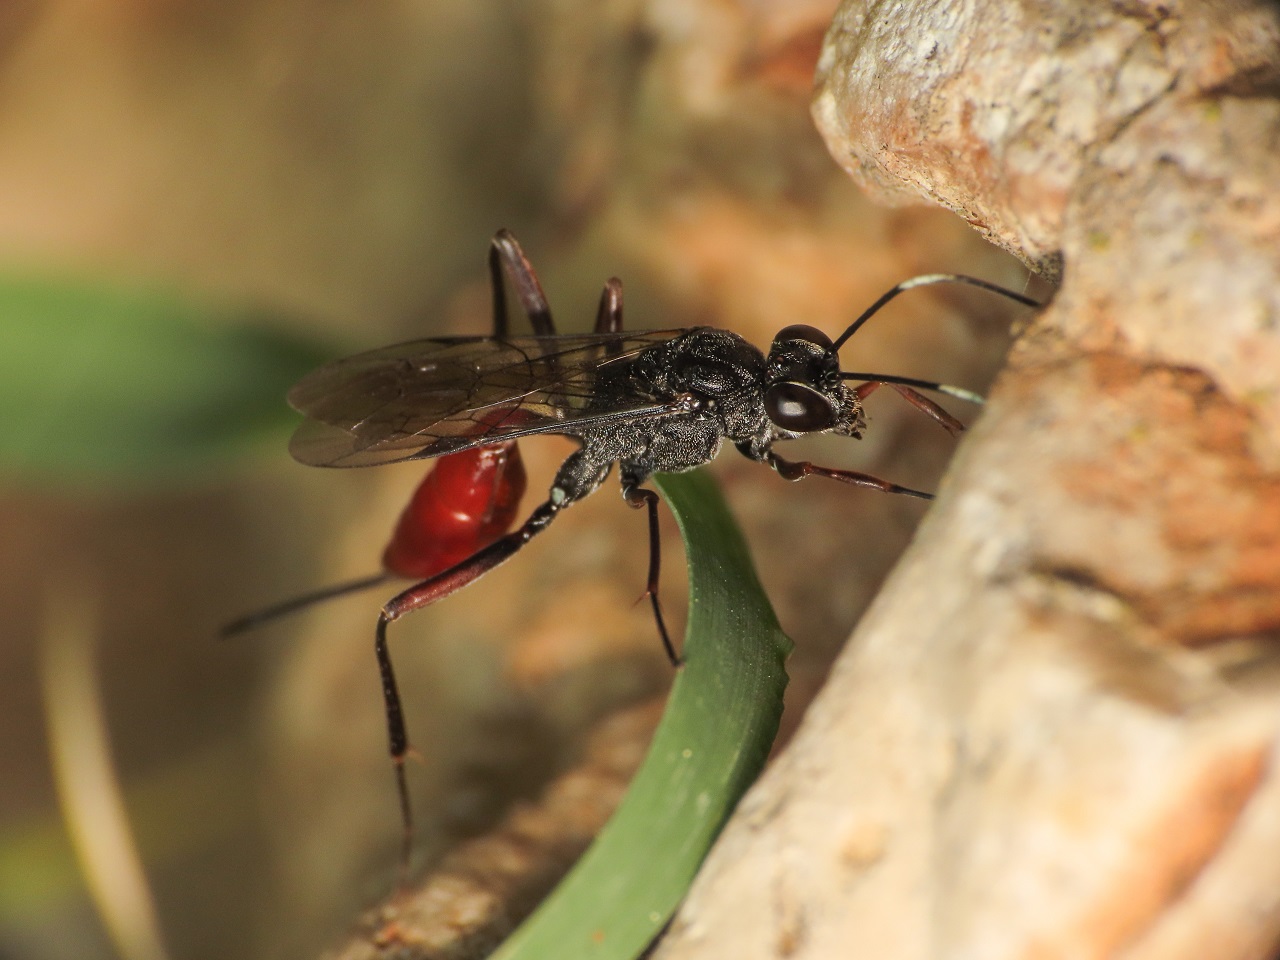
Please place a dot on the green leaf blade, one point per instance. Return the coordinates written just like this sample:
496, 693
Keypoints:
713, 740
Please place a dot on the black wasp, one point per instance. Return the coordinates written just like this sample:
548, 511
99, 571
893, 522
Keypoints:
650, 402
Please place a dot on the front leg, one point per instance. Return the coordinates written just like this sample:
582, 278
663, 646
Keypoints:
799, 469
917, 400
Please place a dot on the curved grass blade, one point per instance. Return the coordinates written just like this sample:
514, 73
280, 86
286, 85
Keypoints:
713, 739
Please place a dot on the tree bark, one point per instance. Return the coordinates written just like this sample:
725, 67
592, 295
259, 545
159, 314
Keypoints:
1054, 733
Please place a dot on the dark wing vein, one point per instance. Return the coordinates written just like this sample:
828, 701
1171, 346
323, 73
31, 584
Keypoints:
430, 397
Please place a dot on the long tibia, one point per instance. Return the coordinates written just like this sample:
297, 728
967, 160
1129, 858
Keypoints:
420, 595
917, 400
640, 497
799, 469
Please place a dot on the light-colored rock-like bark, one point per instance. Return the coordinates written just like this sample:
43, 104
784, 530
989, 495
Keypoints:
1054, 734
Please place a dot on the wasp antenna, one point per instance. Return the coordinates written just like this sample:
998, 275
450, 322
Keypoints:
286, 607
925, 280
960, 393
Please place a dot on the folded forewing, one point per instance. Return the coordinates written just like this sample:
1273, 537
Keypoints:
431, 397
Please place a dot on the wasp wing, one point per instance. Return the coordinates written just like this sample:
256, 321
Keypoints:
430, 397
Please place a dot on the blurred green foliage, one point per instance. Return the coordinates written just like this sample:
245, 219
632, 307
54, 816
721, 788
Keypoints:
102, 382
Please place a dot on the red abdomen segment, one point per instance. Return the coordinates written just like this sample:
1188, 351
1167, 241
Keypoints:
467, 501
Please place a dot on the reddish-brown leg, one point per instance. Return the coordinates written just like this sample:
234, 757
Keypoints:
917, 400
799, 469
505, 252
609, 314
420, 595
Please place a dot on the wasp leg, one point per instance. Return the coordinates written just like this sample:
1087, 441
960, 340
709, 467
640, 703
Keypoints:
578, 476
637, 497
420, 595
609, 314
917, 400
505, 252
799, 469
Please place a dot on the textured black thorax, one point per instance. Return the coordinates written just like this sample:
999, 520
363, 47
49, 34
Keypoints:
716, 372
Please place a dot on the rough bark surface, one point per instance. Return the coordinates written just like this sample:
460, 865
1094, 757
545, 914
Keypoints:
1055, 732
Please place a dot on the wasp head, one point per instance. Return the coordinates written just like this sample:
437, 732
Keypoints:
803, 391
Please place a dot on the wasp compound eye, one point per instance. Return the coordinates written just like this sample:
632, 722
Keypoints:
798, 408
802, 331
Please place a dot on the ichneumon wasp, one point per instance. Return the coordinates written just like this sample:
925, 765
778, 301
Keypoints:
648, 401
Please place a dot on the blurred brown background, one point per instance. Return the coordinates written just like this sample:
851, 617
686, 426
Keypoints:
342, 166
